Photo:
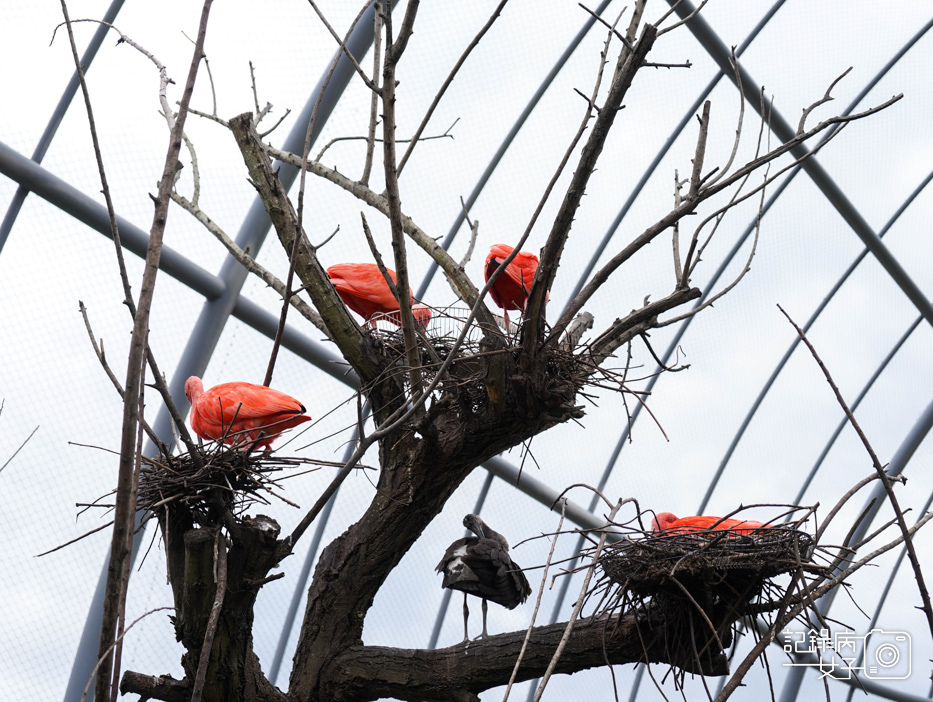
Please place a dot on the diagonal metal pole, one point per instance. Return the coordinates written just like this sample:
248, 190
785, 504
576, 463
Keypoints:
216, 312
873, 504
58, 114
718, 51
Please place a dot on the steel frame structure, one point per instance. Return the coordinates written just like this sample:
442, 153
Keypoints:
222, 296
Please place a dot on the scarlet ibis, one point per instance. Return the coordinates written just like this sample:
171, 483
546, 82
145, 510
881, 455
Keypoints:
670, 524
363, 289
510, 291
480, 565
242, 412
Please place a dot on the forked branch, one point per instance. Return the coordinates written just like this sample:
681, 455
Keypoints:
348, 336
689, 205
627, 66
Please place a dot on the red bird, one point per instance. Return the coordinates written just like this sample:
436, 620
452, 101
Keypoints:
510, 291
242, 412
363, 289
670, 524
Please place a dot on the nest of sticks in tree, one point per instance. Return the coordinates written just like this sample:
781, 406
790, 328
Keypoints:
220, 478
565, 373
690, 589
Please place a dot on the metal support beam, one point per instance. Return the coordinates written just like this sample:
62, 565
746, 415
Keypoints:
58, 114
218, 309
782, 129
70, 200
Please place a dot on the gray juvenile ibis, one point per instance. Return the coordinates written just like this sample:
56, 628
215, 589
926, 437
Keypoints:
480, 565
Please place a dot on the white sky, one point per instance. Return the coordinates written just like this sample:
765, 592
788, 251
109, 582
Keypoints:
50, 377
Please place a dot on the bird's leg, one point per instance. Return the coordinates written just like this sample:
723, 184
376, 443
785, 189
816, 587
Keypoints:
505, 313
485, 607
466, 615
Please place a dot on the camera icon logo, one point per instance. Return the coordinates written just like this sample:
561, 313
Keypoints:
887, 655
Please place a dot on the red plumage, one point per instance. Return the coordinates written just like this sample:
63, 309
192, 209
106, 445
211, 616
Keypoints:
511, 289
241, 412
670, 524
363, 289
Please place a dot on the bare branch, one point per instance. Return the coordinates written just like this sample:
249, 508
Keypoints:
827, 97
751, 254
677, 213
26, 441
681, 22
455, 274
581, 323
378, 257
374, 98
626, 67
337, 140
700, 152
252, 82
212, 118
248, 262
99, 352
125, 632
263, 135
474, 233
393, 56
637, 322
343, 45
220, 564
675, 238
611, 27
534, 614
118, 568
577, 607
885, 479
341, 328
740, 122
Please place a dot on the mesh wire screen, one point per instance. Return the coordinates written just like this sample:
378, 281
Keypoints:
50, 378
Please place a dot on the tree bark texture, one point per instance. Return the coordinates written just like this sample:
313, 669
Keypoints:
233, 671
371, 672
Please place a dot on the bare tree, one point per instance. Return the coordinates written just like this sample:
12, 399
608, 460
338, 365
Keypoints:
451, 402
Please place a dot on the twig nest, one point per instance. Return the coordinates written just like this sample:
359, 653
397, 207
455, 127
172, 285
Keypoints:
646, 566
689, 589
228, 477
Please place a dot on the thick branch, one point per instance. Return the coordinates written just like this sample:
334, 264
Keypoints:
371, 672
164, 687
124, 514
628, 64
348, 336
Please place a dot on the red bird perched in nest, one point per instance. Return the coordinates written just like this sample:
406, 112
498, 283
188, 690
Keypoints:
363, 289
670, 524
242, 412
510, 291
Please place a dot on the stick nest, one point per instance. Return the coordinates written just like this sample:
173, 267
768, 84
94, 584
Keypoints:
229, 478
717, 557
565, 372
689, 590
